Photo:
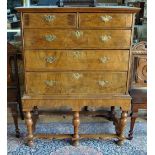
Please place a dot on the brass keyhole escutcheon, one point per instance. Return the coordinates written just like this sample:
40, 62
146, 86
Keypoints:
50, 59
77, 75
49, 18
103, 83
78, 34
106, 18
50, 37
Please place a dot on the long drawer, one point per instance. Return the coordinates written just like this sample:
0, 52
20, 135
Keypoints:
69, 20
76, 39
105, 20
48, 83
50, 60
49, 20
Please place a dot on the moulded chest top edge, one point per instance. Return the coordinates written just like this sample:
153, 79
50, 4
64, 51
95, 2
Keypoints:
116, 9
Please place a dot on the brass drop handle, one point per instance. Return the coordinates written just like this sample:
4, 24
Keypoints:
104, 59
78, 34
49, 37
77, 75
50, 83
49, 18
102, 83
105, 38
50, 59
106, 18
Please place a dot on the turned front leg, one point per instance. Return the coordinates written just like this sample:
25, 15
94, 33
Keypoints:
29, 124
134, 115
14, 112
76, 123
122, 125
112, 113
35, 117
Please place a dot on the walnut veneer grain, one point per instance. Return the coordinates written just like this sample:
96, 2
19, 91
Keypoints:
105, 20
48, 83
50, 20
77, 57
63, 60
76, 39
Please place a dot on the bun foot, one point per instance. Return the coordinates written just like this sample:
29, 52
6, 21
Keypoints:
120, 142
130, 136
75, 143
30, 144
18, 134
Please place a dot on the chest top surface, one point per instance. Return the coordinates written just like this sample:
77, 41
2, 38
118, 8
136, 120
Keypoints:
121, 9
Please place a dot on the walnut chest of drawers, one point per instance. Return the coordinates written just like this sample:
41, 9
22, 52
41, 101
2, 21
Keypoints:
77, 57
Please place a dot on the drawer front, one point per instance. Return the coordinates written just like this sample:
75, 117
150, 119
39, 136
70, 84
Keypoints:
48, 83
76, 60
49, 20
76, 39
105, 20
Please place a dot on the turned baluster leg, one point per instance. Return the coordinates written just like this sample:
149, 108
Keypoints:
29, 124
76, 123
35, 117
134, 115
112, 112
122, 125
14, 112
116, 123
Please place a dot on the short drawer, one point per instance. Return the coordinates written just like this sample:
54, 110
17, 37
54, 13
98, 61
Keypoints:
76, 39
48, 83
116, 60
49, 20
105, 20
